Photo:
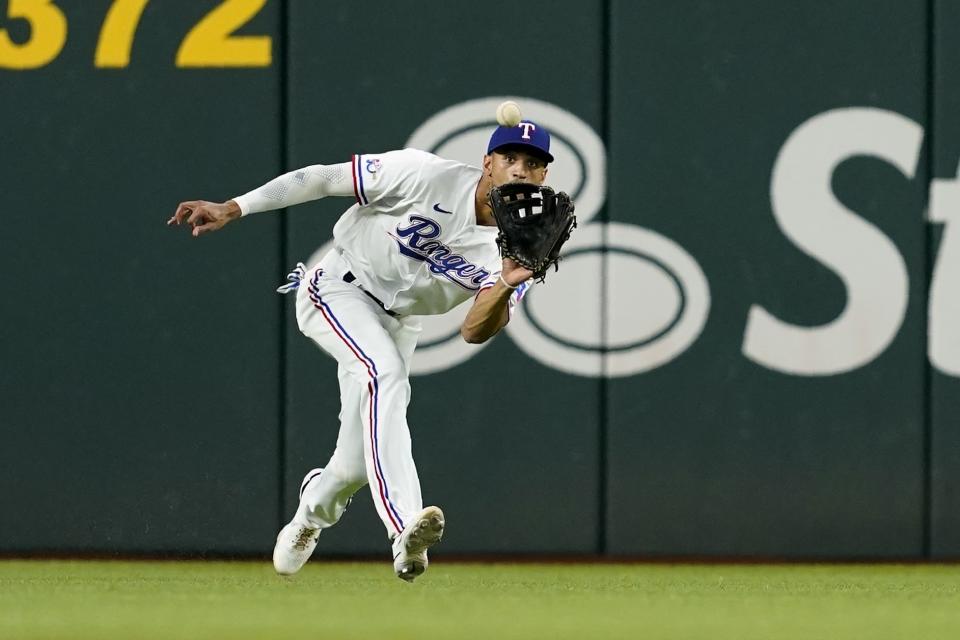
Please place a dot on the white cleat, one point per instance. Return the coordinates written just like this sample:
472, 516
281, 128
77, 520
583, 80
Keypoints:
296, 542
295, 545
410, 547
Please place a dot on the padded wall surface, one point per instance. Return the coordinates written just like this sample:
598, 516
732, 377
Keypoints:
715, 453
139, 378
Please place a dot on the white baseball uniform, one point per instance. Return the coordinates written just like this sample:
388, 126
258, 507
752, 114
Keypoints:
410, 246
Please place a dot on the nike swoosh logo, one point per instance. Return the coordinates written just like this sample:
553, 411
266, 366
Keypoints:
437, 208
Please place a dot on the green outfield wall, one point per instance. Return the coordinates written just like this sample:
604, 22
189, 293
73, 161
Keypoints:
752, 348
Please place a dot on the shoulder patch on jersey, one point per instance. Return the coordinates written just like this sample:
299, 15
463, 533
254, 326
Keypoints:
373, 165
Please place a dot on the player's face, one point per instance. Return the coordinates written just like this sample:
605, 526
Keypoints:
514, 165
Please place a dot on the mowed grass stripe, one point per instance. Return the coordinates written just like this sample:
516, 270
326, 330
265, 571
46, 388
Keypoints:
114, 599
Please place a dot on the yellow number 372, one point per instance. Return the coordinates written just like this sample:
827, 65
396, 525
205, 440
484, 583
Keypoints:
210, 43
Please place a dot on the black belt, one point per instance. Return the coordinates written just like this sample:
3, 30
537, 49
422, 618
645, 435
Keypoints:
350, 278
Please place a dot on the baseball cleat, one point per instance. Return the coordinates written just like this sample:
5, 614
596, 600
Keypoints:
296, 542
295, 545
410, 547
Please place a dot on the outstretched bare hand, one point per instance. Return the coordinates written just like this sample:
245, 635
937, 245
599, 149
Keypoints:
205, 216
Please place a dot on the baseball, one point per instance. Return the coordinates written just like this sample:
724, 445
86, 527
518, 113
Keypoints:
508, 113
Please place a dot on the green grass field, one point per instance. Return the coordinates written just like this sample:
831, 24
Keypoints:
143, 600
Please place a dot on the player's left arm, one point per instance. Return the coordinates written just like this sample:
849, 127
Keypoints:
491, 309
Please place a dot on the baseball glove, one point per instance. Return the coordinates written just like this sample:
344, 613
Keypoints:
534, 223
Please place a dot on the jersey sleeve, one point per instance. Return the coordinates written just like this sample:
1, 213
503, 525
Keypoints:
296, 187
381, 176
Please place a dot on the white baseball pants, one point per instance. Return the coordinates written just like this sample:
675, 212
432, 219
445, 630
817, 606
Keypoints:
373, 351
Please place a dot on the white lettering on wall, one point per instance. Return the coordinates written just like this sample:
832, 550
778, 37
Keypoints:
944, 310
871, 268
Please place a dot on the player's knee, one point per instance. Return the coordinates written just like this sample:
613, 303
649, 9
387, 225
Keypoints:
391, 371
348, 474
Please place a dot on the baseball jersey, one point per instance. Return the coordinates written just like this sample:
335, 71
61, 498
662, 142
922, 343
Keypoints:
412, 238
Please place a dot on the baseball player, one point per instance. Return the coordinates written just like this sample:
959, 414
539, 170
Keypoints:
419, 240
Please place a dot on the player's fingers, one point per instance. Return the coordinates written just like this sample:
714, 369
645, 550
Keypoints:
199, 215
183, 210
204, 228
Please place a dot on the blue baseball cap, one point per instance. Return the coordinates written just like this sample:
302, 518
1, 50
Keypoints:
525, 134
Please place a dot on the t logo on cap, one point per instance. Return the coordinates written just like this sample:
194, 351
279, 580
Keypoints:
526, 134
